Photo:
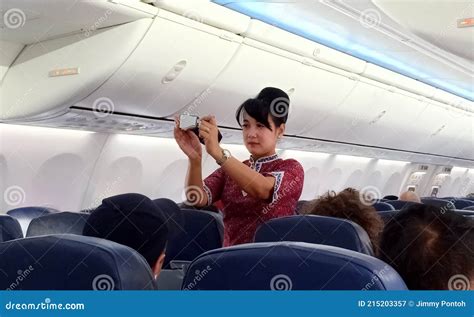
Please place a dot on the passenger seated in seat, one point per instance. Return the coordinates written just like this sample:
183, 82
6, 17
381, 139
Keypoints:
253, 191
430, 249
410, 196
132, 220
348, 204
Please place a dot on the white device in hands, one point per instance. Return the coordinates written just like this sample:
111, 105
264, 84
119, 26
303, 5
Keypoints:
188, 121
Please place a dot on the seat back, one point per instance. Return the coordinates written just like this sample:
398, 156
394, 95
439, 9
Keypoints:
382, 206
289, 266
464, 212
469, 208
397, 204
199, 232
57, 223
440, 203
24, 215
388, 215
10, 228
299, 205
72, 262
316, 229
462, 203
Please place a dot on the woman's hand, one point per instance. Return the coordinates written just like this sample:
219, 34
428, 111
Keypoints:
209, 132
188, 142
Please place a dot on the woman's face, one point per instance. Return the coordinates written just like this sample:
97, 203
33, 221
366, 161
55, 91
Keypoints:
258, 139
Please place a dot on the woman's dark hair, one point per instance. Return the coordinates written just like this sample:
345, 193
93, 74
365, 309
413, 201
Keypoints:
270, 101
431, 248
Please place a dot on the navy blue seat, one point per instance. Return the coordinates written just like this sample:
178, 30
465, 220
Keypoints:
24, 215
9, 228
198, 232
382, 206
469, 208
388, 215
316, 229
440, 203
57, 223
299, 205
289, 266
72, 262
464, 212
462, 203
397, 204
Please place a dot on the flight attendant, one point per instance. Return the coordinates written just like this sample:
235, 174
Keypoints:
256, 190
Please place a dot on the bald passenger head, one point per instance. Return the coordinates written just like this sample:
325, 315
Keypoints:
410, 196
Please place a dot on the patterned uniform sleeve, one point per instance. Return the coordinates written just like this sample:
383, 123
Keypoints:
214, 185
289, 178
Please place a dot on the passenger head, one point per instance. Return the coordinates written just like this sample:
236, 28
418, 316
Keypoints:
430, 249
132, 220
410, 196
263, 120
348, 204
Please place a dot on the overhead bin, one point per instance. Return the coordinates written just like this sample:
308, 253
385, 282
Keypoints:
282, 39
177, 60
389, 77
451, 130
31, 21
208, 13
370, 115
50, 76
257, 65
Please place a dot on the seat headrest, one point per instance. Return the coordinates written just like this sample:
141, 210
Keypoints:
289, 266
9, 228
199, 232
382, 206
24, 215
300, 205
461, 203
316, 229
440, 203
57, 223
72, 262
397, 204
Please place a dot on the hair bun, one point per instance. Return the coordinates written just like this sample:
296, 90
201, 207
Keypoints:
269, 94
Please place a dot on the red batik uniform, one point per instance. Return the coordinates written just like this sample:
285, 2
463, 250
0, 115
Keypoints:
243, 213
